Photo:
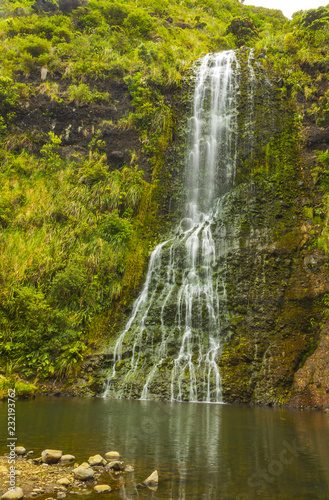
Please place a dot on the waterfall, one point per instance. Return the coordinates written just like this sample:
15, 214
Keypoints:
172, 342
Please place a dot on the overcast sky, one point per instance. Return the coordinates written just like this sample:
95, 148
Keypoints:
288, 7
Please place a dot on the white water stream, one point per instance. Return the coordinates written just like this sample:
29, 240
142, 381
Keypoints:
175, 330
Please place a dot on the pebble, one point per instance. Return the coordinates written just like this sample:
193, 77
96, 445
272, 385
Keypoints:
15, 494
67, 458
152, 480
83, 472
102, 488
20, 450
64, 481
112, 455
97, 460
51, 456
116, 465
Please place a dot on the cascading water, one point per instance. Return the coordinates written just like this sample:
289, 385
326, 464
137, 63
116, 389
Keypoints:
175, 334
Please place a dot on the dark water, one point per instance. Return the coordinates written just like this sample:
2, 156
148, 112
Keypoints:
201, 451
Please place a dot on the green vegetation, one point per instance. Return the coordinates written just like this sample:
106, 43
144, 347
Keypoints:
77, 228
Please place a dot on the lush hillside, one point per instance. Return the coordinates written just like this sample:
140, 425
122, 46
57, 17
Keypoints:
92, 99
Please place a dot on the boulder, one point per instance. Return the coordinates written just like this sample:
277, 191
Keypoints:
112, 455
116, 465
97, 460
15, 494
67, 459
20, 450
102, 488
129, 468
83, 472
51, 456
152, 480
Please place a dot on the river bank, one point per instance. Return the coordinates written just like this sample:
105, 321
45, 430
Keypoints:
39, 476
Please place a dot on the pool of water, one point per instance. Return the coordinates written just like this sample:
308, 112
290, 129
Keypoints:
201, 451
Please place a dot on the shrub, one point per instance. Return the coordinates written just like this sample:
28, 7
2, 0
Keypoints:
139, 23
243, 29
315, 19
34, 45
114, 13
82, 93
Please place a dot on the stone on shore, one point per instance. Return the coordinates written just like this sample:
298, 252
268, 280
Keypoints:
64, 481
152, 480
97, 460
20, 450
129, 468
116, 465
112, 455
15, 494
51, 456
102, 488
83, 472
67, 459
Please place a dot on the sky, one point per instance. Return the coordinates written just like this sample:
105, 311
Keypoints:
288, 7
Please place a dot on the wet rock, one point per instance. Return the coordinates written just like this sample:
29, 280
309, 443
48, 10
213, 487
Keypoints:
129, 468
97, 460
61, 494
15, 494
20, 450
152, 480
115, 465
67, 459
112, 455
83, 472
102, 488
51, 456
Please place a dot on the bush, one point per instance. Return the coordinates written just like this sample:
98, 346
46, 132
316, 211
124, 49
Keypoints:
82, 93
34, 45
315, 19
114, 13
139, 23
243, 30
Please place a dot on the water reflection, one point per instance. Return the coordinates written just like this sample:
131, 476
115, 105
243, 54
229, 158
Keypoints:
201, 451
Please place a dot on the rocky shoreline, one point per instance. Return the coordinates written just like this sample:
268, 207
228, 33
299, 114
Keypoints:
57, 475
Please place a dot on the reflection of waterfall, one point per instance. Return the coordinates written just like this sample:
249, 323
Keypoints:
172, 342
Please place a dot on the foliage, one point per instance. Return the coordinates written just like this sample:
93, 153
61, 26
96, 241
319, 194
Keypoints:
76, 233
322, 113
243, 29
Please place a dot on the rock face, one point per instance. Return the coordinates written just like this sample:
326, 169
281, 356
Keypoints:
15, 494
269, 280
311, 382
83, 473
51, 456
